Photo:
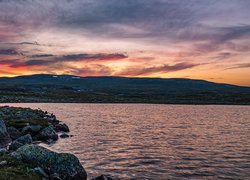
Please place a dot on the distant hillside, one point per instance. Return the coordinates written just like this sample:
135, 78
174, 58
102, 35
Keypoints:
66, 88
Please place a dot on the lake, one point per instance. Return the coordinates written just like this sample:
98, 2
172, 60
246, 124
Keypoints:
146, 141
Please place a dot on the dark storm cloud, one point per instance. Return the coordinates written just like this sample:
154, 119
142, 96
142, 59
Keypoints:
157, 69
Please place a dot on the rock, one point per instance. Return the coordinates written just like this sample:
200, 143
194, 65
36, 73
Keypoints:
61, 127
55, 177
3, 151
64, 135
31, 129
46, 134
14, 133
15, 145
64, 164
103, 177
41, 172
4, 136
26, 139
2, 163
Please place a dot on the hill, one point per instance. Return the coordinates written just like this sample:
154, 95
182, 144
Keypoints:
66, 88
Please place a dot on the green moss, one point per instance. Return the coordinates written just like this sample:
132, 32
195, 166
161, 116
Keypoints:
15, 169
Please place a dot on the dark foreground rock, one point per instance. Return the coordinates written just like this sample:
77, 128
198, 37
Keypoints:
4, 136
67, 166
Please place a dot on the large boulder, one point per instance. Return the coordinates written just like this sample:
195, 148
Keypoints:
4, 136
47, 134
26, 139
67, 166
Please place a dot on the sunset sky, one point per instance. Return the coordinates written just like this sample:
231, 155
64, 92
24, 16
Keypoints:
197, 39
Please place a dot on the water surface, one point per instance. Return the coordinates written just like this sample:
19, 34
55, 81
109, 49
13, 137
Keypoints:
157, 141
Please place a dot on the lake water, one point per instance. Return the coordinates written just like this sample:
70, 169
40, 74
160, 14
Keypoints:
157, 141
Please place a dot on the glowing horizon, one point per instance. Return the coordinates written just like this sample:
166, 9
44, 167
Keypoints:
207, 40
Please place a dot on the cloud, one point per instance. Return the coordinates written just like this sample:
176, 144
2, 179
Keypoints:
240, 66
157, 69
91, 70
86, 57
63, 59
41, 55
8, 52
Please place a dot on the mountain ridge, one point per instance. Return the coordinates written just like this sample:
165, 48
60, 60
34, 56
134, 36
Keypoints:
109, 89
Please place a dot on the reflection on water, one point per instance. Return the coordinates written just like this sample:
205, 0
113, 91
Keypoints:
157, 141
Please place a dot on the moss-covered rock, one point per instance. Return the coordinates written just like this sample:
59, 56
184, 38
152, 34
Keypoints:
64, 164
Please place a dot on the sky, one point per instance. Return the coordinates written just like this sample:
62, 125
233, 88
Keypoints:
196, 39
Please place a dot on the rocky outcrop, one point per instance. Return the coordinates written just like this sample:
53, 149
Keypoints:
67, 166
24, 127
4, 136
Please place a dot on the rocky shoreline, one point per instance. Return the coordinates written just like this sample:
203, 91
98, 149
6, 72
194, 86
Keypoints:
21, 157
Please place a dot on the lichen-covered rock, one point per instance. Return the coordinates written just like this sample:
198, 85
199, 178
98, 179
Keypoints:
26, 139
46, 134
13, 132
61, 127
64, 164
4, 136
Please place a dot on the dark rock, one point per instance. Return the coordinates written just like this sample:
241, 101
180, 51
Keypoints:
14, 133
41, 172
64, 164
55, 177
103, 177
31, 129
46, 134
61, 127
15, 145
26, 139
64, 135
4, 136
3, 151
2, 163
